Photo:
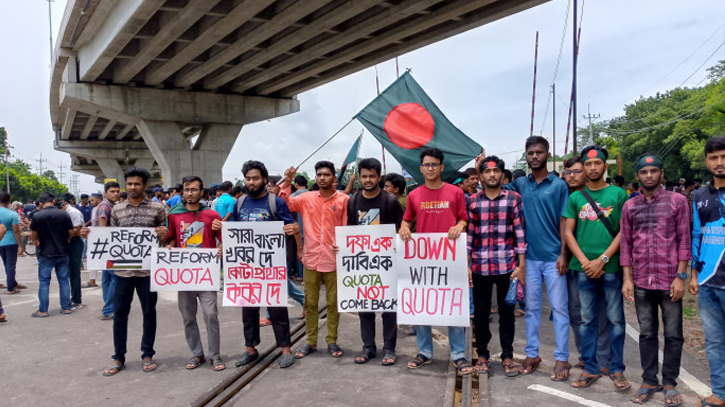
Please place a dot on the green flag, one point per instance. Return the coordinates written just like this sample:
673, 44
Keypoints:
405, 120
351, 158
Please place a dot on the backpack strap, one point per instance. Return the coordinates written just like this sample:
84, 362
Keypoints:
240, 202
272, 198
599, 213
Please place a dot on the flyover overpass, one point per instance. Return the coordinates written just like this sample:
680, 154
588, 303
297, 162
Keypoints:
168, 84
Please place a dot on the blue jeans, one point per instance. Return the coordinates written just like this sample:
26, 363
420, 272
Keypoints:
575, 321
456, 337
591, 293
45, 268
9, 255
538, 272
108, 288
712, 312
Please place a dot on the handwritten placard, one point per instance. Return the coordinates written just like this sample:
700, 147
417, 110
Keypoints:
185, 270
255, 264
366, 279
117, 248
432, 280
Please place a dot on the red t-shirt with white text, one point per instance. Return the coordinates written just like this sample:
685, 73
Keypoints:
436, 210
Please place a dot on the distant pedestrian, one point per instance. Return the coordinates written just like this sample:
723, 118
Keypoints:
75, 250
102, 218
10, 244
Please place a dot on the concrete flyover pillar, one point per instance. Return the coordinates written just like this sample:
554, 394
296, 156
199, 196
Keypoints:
178, 158
112, 169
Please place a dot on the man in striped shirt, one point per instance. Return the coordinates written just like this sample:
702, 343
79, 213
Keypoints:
495, 240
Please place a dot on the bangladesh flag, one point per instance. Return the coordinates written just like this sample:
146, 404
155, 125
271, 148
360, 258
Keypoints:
405, 120
351, 158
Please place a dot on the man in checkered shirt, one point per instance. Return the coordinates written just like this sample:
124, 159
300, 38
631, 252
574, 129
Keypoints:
495, 242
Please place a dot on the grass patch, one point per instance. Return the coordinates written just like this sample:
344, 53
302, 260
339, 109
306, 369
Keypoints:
690, 312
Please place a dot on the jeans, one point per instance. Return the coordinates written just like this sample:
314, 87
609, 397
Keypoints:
482, 293
125, 286
313, 280
280, 325
647, 304
187, 307
9, 255
2, 311
108, 288
538, 272
456, 338
367, 331
712, 312
591, 293
75, 259
45, 268
575, 321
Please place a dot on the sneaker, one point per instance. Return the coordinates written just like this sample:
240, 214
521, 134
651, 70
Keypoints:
75, 307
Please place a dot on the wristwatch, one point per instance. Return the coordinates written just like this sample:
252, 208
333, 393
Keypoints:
604, 259
682, 276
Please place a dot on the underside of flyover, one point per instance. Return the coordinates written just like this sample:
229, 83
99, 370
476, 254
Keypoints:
168, 84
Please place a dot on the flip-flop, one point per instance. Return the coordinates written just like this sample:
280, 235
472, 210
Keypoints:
3, 319
532, 363
619, 379
15, 291
559, 367
247, 358
21, 286
672, 393
149, 366
647, 393
481, 366
513, 371
587, 381
304, 351
38, 314
113, 369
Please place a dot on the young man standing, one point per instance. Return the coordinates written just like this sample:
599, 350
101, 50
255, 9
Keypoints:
225, 203
51, 229
544, 196
256, 207
655, 250
174, 196
11, 243
373, 206
437, 207
188, 223
708, 266
136, 211
577, 180
75, 250
102, 219
321, 212
495, 241
595, 213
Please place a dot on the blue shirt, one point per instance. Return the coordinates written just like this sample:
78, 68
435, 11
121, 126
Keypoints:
257, 210
544, 206
225, 204
176, 199
86, 211
8, 218
708, 236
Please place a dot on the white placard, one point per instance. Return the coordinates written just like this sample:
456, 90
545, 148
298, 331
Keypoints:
118, 248
432, 280
255, 264
185, 269
366, 279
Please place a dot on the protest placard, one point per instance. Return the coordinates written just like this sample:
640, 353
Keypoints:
185, 269
432, 280
116, 248
366, 279
255, 264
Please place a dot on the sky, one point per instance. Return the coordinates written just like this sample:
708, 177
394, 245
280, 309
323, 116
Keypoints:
481, 80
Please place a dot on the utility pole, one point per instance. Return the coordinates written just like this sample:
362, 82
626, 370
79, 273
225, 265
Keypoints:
50, 25
553, 123
60, 172
40, 167
590, 117
573, 80
7, 166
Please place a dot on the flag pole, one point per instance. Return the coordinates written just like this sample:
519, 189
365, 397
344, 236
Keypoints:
533, 95
377, 86
571, 104
320, 147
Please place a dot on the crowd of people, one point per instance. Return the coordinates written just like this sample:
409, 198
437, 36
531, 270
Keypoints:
593, 242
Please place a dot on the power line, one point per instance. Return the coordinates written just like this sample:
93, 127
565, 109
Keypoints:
703, 64
558, 62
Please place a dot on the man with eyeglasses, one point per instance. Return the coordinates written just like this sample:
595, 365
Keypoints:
577, 180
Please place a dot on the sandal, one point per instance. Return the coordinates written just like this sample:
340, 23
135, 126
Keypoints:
113, 369
247, 358
66, 311
519, 313
3, 319
389, 358
579, 365
195, 362
464, 367
149, 366
304, 351
217, 365
618, 378
531, 364
645, 393
481, 365
672, 393
335, 350
21, 286
587, 381
38, 314
419, 361
15, 291
509, 369
365, 356
559, 368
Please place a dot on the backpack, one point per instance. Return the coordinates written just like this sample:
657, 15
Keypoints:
272, 199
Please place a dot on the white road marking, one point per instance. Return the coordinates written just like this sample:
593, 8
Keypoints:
567, 396
691, 381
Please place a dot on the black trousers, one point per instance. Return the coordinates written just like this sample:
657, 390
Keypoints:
280, 325
122, 299
647, 303
482, 289
367, 330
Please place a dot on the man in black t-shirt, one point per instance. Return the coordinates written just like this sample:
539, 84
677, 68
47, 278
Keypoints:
372, 206
51, 229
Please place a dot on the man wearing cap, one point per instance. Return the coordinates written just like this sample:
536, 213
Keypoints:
655, 250
594, 212
158, 195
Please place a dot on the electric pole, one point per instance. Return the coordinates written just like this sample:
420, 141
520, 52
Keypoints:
50, 24
40, 167
553, 123
7, 166
573, 80
590, 117
60, 172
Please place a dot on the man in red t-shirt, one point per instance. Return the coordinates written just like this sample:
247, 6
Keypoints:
190, 226
437, 207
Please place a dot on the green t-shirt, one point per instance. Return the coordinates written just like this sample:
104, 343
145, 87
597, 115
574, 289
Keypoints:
592, 236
